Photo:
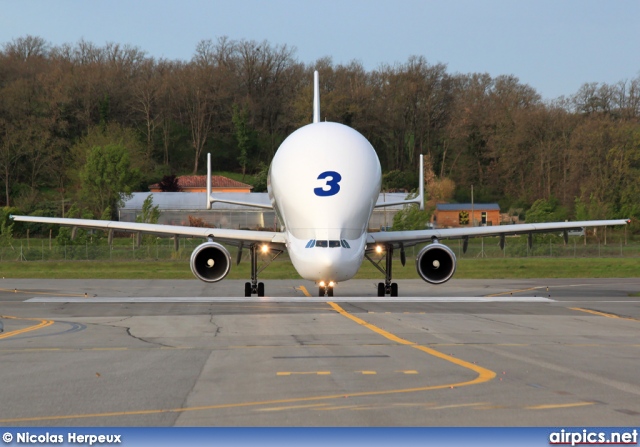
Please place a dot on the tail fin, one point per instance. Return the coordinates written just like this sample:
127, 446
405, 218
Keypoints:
316, 97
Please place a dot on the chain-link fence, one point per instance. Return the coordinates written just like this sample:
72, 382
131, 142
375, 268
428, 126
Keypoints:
41, 250
164, 249
518, 247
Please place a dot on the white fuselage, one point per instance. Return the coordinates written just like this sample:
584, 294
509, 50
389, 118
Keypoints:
324, 181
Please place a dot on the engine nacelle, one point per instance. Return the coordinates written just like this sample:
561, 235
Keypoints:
210, 262
436, 263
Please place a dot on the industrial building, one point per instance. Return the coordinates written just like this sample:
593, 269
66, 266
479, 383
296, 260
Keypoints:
176, 207
453, 215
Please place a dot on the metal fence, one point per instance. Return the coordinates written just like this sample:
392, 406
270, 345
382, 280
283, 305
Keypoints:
163, 249
546, 247
41, 250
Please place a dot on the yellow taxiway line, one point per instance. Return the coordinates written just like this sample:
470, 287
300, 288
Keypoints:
28, 292
483, 375
511, 292
43, 323
603, 314
304, 290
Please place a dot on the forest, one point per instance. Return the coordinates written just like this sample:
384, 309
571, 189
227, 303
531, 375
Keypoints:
81, 124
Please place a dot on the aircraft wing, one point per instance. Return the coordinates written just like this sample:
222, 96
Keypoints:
413, 237
229, 236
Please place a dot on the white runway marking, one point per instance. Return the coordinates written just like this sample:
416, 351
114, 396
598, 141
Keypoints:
293, 299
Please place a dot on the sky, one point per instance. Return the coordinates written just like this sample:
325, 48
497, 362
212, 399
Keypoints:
555, 46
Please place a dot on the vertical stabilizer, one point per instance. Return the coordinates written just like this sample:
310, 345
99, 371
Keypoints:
208, 181
316, 97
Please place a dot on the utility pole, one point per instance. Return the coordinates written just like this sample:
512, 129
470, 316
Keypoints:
472, 224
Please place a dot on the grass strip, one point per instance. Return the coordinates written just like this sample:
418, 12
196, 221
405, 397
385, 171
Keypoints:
507, 268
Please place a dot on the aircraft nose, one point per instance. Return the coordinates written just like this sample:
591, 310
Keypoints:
335, 265
324, 266
328, 262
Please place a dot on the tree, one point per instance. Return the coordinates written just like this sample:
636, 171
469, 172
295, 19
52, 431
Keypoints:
111, 134
396, 180
6, 227
147, 97
107, 178
196, 97
82, 235
11, 152
242, 137
592, 209
492, 132
544, 210
410, 217
169, 183
261, 177
150, 213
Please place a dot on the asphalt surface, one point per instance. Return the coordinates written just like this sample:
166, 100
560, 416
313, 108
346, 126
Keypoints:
184, 353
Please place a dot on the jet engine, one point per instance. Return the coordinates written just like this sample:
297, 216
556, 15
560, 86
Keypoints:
210, 262
436, 263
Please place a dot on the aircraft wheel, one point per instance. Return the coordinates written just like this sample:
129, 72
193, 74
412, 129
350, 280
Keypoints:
260, 289
320, 291
247, 289
329, 291
394, 289
380, 289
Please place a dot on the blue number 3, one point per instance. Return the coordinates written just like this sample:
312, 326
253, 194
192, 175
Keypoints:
332, 183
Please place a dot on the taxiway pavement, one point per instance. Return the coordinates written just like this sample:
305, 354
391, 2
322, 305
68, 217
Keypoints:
466, 353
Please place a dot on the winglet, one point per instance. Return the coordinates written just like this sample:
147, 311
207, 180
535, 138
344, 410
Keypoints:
316, 97
208, 181
211, 199
419, 200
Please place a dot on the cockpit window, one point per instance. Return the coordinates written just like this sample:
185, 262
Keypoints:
330, 244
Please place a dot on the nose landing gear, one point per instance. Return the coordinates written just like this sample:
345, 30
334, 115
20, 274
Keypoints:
325, 289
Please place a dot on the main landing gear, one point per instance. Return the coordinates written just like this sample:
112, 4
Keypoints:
387, 287
254, 287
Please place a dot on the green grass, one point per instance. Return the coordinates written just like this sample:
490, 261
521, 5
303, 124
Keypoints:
509, 268
514, 268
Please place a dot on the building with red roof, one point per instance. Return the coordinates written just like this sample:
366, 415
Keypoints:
198, 183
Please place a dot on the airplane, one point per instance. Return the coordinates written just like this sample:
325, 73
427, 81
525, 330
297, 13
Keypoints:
323, 183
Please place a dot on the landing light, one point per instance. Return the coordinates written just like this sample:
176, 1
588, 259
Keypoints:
265, 249
378, 249
331, 283
321, 284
